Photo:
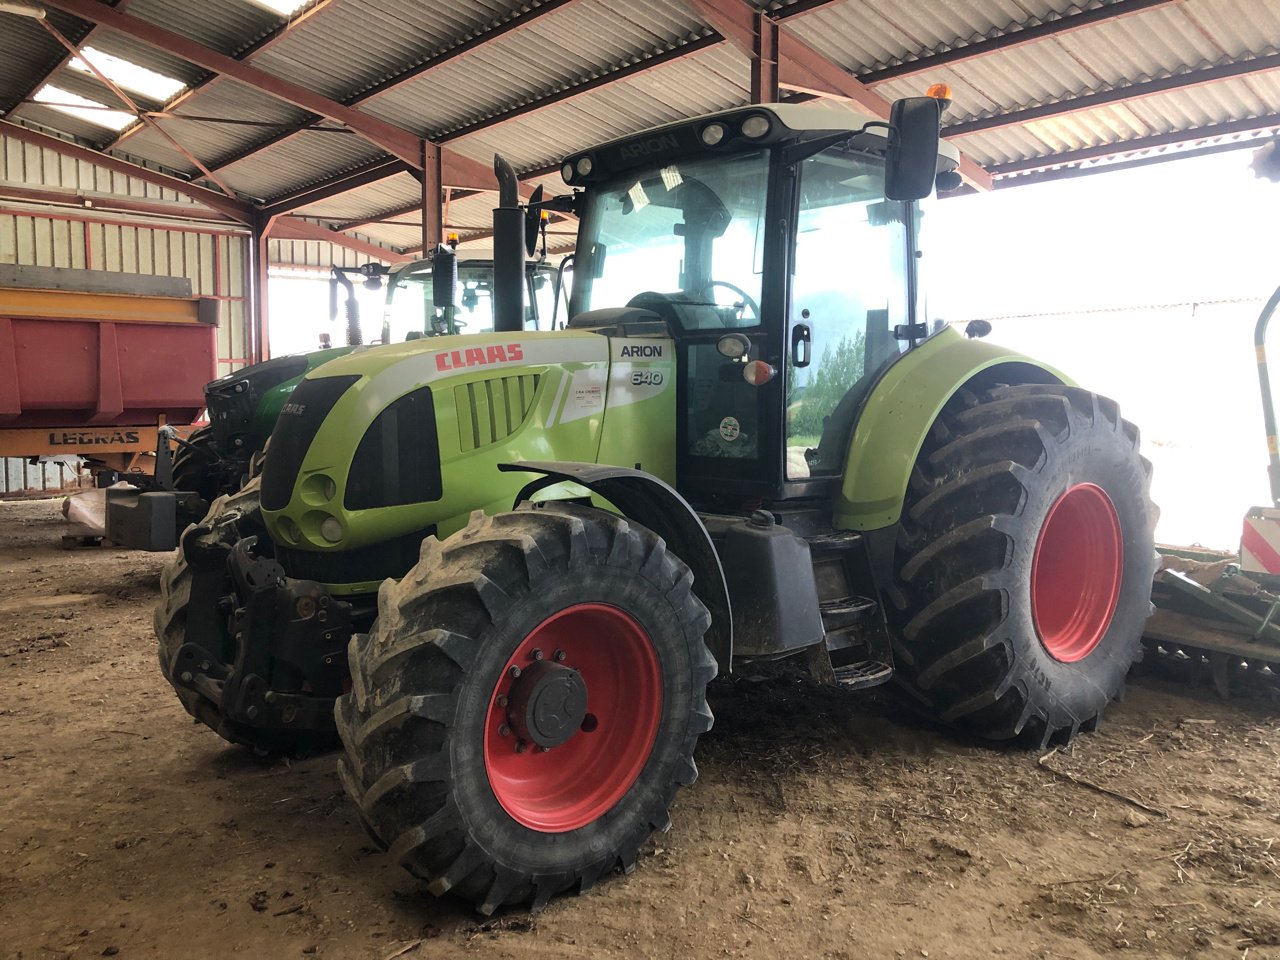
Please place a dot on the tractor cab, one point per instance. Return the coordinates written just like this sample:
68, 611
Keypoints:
410, 303
763, 239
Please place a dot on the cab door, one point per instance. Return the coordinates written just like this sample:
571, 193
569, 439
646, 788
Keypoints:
848, 290
730, 430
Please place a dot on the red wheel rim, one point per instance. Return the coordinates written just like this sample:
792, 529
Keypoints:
1076, 572
575, 783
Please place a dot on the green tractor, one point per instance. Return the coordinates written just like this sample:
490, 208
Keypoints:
508, 565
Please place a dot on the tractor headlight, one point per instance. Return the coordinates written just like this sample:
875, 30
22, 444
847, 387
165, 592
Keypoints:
566, 172
289, 530
734, 346
755, 127
331, 529
713, 133
318, 489
585, 166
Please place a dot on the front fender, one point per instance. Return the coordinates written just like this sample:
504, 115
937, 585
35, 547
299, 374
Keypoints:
649, 501
899, 412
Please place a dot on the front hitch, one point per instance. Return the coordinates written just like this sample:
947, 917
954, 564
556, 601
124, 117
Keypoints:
267, 650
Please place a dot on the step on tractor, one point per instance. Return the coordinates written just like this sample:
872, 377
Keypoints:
506, 567
243, 407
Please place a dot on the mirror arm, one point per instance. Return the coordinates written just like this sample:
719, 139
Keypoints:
564, 203
803, 151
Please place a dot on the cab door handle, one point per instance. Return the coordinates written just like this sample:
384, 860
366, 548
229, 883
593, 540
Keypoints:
801, 345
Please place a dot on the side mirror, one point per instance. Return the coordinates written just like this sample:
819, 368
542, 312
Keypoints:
444, 278
913, 148
532, 221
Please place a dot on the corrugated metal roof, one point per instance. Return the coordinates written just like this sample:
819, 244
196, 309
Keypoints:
306, 159
28, 53
582, 41
709, 80
343, 48
359, 44
389, 194
228, 26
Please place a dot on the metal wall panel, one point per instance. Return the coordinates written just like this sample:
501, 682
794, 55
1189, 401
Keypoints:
315, 254
214, 257
18, 478
27, 164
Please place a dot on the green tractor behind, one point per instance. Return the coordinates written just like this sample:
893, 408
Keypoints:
515, 560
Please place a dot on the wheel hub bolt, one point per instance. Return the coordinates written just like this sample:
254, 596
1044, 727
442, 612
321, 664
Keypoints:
504, 731
560, 655
515, 671
521, 746
503, 701
537, 654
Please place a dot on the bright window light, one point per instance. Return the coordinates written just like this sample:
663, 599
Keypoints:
129, 76
82, 107
283, 7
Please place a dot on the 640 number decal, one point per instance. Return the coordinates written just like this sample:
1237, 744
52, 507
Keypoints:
646, 378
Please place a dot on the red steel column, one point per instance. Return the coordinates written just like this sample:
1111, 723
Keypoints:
764, 60
432, 215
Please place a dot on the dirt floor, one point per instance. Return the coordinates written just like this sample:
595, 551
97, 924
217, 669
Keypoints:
823, 825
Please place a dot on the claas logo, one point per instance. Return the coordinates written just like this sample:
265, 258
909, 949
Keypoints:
478, 356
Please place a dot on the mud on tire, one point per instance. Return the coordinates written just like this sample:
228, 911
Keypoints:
424, 689
971, 647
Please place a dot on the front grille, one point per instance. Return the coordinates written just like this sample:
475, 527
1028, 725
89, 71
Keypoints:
390, 558
231, 411
398, 460
492, 410
299, 422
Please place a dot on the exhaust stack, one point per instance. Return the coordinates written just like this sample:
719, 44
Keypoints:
508, 251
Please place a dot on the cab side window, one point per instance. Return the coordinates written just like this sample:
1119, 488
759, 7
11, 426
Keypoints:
848, 291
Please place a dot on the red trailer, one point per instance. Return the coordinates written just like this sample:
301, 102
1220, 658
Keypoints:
91, 363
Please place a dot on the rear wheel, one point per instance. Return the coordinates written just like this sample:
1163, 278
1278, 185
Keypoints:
1025, 561
527, 704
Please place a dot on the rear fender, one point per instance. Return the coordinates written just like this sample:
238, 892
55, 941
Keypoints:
899, 412
642, 497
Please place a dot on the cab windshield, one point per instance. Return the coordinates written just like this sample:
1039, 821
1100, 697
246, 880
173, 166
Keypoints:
410, 304
686, 239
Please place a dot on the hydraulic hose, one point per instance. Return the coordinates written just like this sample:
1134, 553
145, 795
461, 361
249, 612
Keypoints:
338, 276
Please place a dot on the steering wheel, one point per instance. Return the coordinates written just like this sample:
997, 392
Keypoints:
746, 297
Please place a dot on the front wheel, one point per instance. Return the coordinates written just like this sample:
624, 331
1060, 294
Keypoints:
1025, 562
527, 704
